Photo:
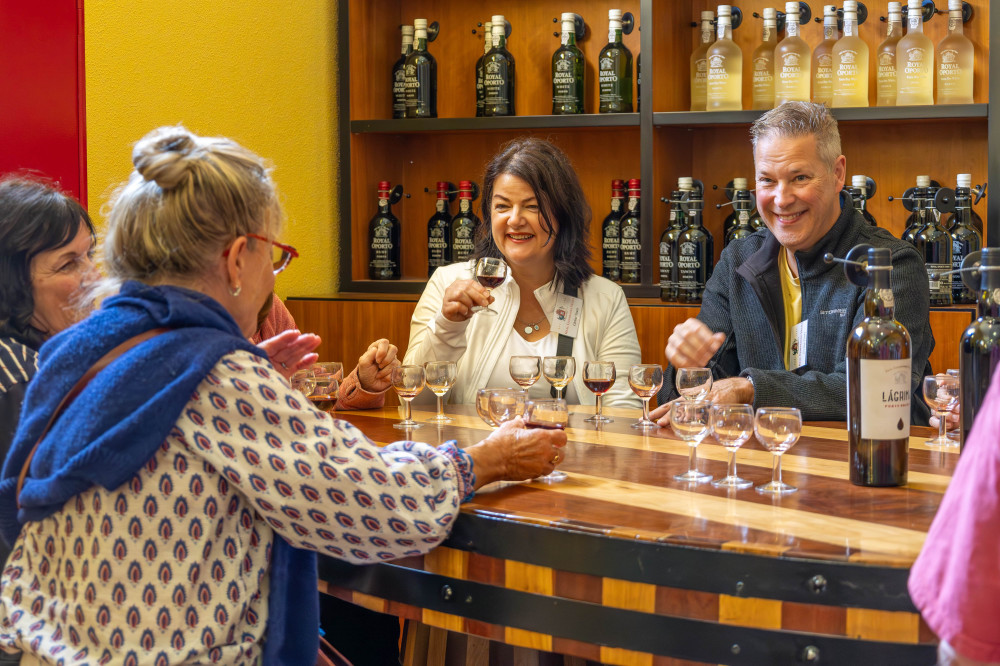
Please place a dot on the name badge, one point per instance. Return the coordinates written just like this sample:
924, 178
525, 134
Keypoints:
797, 353
565, 318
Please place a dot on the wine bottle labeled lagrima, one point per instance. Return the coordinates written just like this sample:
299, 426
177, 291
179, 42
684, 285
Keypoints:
878, 381
383, 239
979, 350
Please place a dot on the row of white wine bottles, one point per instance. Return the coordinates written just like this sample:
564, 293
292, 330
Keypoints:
836, 72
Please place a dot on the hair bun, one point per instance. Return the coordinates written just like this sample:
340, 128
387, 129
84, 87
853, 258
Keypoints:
162, 155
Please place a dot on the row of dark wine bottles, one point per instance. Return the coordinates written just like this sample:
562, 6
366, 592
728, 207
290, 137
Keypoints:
414, 74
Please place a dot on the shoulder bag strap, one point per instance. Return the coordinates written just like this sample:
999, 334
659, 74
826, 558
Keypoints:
565, 345
75, 391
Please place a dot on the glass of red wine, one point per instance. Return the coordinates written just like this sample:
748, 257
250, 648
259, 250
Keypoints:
490, 272
599, 377
550, 413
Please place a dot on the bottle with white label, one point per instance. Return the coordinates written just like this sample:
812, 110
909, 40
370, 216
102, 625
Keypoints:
480, 75
885, 58
611, 249
791, 62
421, 76
724, 90
567, 71
965, 238
699, 63
933, 243
384, 248
669, 290
399, 74
878, 383
439, 232
822, 59
955, 58
615, 69
850, 63
914, 61
464, 225
630, 236
762, 63
498, 74
859, 193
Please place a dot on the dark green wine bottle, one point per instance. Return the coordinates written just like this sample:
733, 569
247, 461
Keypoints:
630, 234
463, 225
383, 239
567, 72
480, 85
498, 74
611, 249
399, 74
615, 69
695, 253
965, 239
421, 76
979, 350
439, 232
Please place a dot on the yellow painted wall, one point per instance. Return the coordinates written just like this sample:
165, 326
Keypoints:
261, 73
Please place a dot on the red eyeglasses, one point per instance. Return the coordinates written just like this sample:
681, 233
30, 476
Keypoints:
281, 254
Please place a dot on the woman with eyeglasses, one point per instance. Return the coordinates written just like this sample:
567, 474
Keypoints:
172, 512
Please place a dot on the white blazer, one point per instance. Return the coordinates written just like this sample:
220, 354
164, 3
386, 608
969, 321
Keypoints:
606, 333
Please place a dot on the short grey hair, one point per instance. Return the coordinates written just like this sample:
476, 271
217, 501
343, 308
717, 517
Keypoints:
794, 119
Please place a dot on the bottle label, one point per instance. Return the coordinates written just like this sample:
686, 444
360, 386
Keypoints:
381, 247
496, 84
463, 205
631, 248
666, 266
791, 27
707, 33
616, 205
886, 74
565, 38
689, 264
942, 285
633, 203
885, 398
766, 34
441, 205
399, 90
913, 20
463, 245
948, 70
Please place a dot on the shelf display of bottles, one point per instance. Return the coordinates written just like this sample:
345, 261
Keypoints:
615, 69
630, 236
384, 236
979, 349
611, 234
567, 71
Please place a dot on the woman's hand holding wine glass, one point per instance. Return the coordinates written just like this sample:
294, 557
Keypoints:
490, 272
549, 415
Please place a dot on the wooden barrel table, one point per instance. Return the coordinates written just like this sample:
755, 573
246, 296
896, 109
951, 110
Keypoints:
621, 564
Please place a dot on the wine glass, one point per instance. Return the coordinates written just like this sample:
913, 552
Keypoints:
691, 420
777, 428
956, 432
732, 425
483, 404
408, 380
645, 381
327, 375
304, 381
490, 272
552, 414
693, 383
525, 370
941, 393
440, 377
506, 404
599, 377
559, 371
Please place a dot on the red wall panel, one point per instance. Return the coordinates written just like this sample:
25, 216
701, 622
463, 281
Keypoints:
42, 113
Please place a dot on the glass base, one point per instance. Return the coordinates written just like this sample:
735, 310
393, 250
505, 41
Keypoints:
479, 309
693, 476
776, 488
599, 419
944, 443
645, 424
440, 418
406, 425
732, 482
552, 477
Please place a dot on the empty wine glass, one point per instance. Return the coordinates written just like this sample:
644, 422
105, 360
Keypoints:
304, 381
550, 414
483, 404
599, 377
693, 383
732, 426
506, 404
327, 375
559, 371
956, 432
525, 370
691, 420
440, 377
645, 381
408, 380
490, 272
941, 393
777, 428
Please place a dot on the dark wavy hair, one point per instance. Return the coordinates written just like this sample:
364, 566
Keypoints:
35, 217
547, 170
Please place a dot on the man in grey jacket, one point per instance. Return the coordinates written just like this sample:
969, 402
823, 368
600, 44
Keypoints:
775, 318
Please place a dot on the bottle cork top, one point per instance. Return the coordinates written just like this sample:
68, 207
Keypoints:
617, 184
792, 8
498, 20
407, 30
633, 184
770, 13
685, 182
725, 10
384, 186
420, 24
859, 181
852, 5
923, 181
915, 5
615, 14
954, 5
708, 16
739, 183
964, 179
567, 16
895, 8
442, 186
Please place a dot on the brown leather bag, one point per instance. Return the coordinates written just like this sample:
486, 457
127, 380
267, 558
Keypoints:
328, 655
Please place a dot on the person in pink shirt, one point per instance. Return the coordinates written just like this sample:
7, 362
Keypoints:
364, 388
955, 581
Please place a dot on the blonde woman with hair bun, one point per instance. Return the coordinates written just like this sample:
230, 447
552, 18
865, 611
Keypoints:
173, 511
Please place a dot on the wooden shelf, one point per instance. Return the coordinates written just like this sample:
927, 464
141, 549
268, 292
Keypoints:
888, 114
584, 120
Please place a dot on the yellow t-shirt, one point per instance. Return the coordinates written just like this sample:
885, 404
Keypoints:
791, 296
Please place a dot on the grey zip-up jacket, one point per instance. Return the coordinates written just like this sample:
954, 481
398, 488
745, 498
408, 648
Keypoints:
743, 300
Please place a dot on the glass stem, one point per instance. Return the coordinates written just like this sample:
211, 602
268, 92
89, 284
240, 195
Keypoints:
559, 392
645, 409
692, 459
440, 406
776, 474
942, 425
406, 410
599, 414
732, 465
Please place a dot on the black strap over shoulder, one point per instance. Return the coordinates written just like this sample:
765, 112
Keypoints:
565, 345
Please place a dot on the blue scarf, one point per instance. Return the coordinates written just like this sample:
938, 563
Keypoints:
116, 425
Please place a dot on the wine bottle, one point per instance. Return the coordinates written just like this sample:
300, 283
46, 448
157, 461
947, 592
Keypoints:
480, 86
878, 384
914, 61
611, 235
742, 207
964, 238
859, 193
933, 242
668, 250
885, 58
730, 221
615, 69
498, 74
695, 252
630, 237
638, 81
917, 219
762, 63
439, 232
850, 63
399, 74
791, 61
822, 59
421, 76
464, 224
979, 349
955, 58
383, 239
567, 71
724, 86
699, 63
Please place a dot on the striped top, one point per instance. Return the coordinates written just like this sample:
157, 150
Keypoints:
18, 364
